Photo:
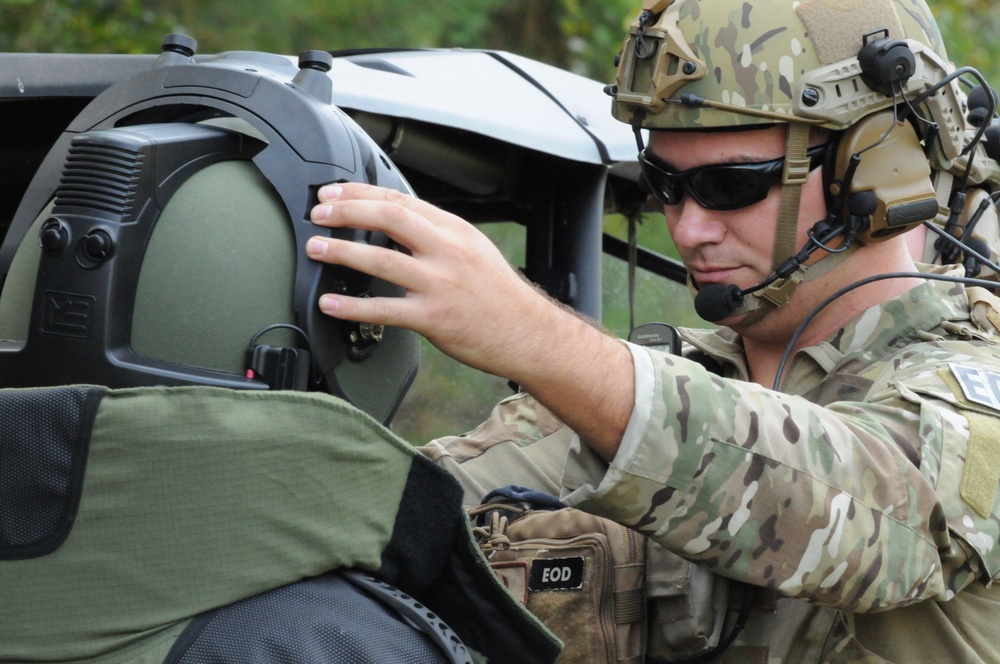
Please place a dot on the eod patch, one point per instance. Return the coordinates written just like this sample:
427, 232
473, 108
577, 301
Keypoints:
980, 386
556, 574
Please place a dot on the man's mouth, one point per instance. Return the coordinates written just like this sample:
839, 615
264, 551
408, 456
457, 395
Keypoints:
713, 274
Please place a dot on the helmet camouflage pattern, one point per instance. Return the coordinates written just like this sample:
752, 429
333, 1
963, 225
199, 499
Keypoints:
690, 64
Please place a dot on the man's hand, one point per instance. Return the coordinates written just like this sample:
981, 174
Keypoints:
461, 293
463, 296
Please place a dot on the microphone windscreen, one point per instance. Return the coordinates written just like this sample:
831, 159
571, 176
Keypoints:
979, 246
992, 142
979, 97
979, 103
717, 301
862, 203
971, 264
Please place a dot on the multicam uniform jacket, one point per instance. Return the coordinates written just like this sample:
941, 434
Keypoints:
866, 487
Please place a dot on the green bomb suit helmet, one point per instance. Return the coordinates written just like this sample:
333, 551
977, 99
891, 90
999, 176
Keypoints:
162, 240
842, 65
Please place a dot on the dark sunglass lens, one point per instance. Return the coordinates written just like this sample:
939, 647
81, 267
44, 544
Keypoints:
661, 183
726, 188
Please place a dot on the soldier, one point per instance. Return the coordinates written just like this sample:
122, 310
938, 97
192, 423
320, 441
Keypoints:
834, 443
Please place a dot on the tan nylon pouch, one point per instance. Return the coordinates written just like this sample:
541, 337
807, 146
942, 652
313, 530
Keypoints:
581, 575
687, 606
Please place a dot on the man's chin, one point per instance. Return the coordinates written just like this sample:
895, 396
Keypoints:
739, 323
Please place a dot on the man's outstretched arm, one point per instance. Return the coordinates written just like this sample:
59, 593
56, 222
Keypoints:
466, 299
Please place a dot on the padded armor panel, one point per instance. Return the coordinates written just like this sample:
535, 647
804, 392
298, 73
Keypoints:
44, 438
323, 619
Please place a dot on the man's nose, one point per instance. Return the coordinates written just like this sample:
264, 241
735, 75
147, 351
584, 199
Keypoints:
691, 225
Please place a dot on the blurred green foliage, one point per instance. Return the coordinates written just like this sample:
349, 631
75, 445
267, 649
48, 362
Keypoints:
579, 35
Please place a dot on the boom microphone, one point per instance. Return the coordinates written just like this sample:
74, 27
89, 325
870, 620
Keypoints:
717, 301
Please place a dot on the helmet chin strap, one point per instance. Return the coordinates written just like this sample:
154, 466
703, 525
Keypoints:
795, 175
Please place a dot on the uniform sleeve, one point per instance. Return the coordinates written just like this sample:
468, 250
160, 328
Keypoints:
521, 443
831, 504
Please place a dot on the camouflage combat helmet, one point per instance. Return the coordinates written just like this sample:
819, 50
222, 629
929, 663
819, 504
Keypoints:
693, 65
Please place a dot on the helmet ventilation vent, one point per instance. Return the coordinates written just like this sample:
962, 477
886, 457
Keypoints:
100, 177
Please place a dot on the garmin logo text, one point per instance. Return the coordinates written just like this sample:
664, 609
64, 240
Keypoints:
979, 385
556, 574
68, 314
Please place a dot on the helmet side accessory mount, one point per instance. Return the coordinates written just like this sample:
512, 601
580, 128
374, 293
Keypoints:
656, 60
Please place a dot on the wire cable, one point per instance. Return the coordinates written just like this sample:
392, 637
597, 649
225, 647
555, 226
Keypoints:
858, 284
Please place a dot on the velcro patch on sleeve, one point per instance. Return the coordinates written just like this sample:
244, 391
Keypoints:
981, 476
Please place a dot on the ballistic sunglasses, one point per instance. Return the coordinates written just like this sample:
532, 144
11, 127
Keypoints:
719, 186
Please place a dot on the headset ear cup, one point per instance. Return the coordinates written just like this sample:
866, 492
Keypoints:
894, 167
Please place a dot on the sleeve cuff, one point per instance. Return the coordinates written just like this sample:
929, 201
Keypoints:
586, 475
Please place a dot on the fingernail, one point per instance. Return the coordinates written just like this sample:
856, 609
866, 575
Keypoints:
329, 304
321, 213
315, 247
330, 191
